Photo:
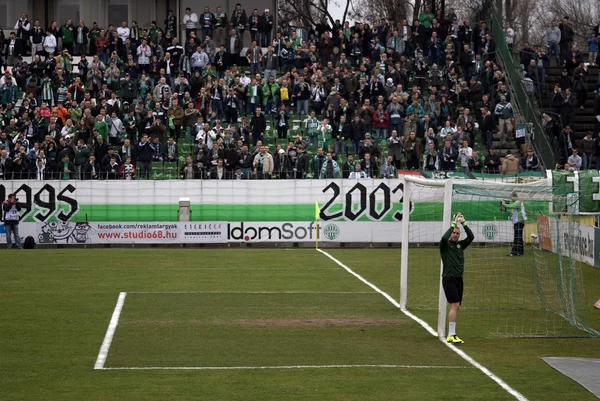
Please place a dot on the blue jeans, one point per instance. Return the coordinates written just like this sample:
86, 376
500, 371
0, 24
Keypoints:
217, 105
486, 139
341, 147
270, 73
355, 146
207, 32
302, 106
12, 229
246, 173
586, 161
553, 47
251, 108
255, 68
395, 124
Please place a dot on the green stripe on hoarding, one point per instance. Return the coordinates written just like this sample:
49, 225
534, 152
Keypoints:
474, 211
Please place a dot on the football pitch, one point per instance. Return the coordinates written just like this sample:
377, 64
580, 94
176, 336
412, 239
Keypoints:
253, 324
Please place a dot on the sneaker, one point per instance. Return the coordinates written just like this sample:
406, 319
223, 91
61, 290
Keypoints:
454, 340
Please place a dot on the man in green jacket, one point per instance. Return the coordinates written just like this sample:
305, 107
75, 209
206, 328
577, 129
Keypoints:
518, 216
101, 126
68, 35
270, 99
426, 18
82, 155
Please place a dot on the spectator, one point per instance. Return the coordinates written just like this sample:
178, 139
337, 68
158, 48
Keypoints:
510, 164
574, 161
330, 169
263, 164
553, 40
190, 20
566, 37
593, 48
475, 163
144, 151
357, 173
448, 156
128, 169
465, 154
530, 161
258, 125
413, 149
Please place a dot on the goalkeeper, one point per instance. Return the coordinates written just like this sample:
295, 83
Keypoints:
451, 251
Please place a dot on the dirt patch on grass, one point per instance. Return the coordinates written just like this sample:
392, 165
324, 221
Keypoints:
329, 322
316, 322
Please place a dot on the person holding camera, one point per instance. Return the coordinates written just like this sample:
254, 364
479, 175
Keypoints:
518, 215
10, 209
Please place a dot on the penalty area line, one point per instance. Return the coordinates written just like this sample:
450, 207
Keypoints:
431, 331
286, 367
110, 332
251, 292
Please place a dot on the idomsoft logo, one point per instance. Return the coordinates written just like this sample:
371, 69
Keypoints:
273, 232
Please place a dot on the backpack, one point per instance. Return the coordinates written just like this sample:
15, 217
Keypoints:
29, 243
284, 93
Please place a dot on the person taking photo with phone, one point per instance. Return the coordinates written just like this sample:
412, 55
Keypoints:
10, 209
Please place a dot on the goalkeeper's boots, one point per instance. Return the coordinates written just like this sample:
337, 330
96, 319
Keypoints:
454, 340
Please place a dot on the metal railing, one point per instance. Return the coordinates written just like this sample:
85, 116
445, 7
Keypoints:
523, 103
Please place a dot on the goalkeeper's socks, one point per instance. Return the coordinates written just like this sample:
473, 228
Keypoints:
452, 329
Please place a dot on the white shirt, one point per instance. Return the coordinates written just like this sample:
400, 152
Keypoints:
355, 175
66, 131
116, 127
190, 20
245, 81
50, 43
509, 36
123, 33
465, 155
24, 24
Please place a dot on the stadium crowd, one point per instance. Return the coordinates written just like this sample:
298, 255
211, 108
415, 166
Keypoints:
353, 101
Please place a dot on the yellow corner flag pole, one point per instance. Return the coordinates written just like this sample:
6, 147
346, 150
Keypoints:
317, 213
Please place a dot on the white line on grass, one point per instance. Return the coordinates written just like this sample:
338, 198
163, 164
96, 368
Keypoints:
250, 292
287, 367
431, 331
110, 332
191, 268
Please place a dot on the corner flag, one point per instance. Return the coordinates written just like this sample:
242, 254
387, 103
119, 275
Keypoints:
317, 214
317, 210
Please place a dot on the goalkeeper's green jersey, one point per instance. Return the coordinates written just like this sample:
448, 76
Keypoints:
452, 253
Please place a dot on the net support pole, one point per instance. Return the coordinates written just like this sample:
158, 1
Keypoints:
404, 250
442, 303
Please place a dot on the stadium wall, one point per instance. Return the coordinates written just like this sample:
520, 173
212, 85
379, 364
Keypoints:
365, 211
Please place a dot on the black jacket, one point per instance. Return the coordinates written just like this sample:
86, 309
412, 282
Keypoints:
487, 123
258, 124
6, 206
144, 151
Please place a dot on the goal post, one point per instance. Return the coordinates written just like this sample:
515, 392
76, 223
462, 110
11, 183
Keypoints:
409, 182
540, 294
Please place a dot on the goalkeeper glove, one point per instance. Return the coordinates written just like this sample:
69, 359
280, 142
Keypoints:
459, 219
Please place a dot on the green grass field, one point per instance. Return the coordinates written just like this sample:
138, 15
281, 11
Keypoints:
248, 308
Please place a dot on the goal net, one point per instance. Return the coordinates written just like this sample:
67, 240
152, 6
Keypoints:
539, 294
